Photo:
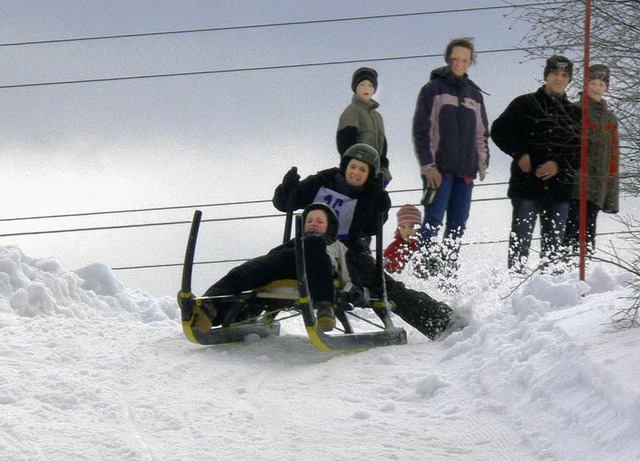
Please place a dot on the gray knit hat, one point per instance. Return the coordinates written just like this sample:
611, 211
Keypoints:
599, 72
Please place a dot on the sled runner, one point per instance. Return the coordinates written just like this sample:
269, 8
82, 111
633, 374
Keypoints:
255, 312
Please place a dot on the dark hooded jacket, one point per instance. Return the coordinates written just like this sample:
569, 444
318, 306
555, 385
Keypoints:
364, 204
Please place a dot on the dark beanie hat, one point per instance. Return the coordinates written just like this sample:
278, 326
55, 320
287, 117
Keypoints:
332, 218
599, 72
364, 73
557, 63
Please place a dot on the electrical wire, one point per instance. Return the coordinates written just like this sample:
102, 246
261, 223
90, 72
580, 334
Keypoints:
269, 25
258, 68
183, 207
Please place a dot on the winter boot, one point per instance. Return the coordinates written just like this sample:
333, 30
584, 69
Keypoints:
458, 320
419, 310
202, 320
326, 319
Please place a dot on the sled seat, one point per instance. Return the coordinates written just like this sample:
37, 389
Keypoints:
283, 289
287, 289
279, 289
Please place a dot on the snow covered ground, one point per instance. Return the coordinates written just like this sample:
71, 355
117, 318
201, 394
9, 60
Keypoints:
93, 370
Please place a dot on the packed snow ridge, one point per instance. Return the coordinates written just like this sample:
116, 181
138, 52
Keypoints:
94, 370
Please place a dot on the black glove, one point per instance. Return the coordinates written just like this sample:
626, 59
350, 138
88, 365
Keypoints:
356, 296
291, 178
387, 176
385, 202
327, 239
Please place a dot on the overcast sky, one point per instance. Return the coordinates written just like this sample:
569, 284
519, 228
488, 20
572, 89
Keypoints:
214, 137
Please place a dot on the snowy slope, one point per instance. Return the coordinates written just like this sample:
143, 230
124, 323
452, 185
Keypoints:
92, 370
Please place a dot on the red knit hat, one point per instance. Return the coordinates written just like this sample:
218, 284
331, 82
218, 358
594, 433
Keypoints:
408, 214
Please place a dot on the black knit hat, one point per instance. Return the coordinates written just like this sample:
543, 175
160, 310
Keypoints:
599, 72
557, 63
332, 219
364, 73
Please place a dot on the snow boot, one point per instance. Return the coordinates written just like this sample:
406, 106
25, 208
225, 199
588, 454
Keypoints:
458, 320
202, 320
326, 318
190, 310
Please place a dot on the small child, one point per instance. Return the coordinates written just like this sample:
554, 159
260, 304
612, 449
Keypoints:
602, 167
406, 240
360, 122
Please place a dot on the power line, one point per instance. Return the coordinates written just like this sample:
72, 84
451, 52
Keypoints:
241, 260
133, 226
138, 210
170, 223
184, 207
259, 68
212, 220
269, 25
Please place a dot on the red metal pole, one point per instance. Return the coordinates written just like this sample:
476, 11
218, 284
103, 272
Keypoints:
584, 146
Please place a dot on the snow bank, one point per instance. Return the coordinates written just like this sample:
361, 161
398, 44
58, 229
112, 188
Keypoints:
93, 370
40, 287
527, 361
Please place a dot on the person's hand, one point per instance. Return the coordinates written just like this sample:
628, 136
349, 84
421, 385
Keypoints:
291, 178
524, 163
434, 178
482, 172
547, 170
383, 203
387, 176
356, 296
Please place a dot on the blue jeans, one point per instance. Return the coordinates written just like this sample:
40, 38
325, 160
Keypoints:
454, 198
553, 217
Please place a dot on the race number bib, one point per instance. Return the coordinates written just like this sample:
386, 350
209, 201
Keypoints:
343, 205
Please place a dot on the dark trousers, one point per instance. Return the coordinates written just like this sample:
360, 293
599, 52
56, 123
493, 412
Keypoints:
572, 231
279, 264
553, 217
418, 309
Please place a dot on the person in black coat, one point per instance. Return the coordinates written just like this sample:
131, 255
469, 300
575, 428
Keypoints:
325, 259
541, 131
352, 190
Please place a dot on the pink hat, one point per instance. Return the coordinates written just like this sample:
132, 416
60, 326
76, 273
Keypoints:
408, 214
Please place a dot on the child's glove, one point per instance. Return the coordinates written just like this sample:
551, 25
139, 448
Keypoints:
356, 296
291, 178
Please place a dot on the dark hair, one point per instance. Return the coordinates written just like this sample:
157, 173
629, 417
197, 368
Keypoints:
464, 42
